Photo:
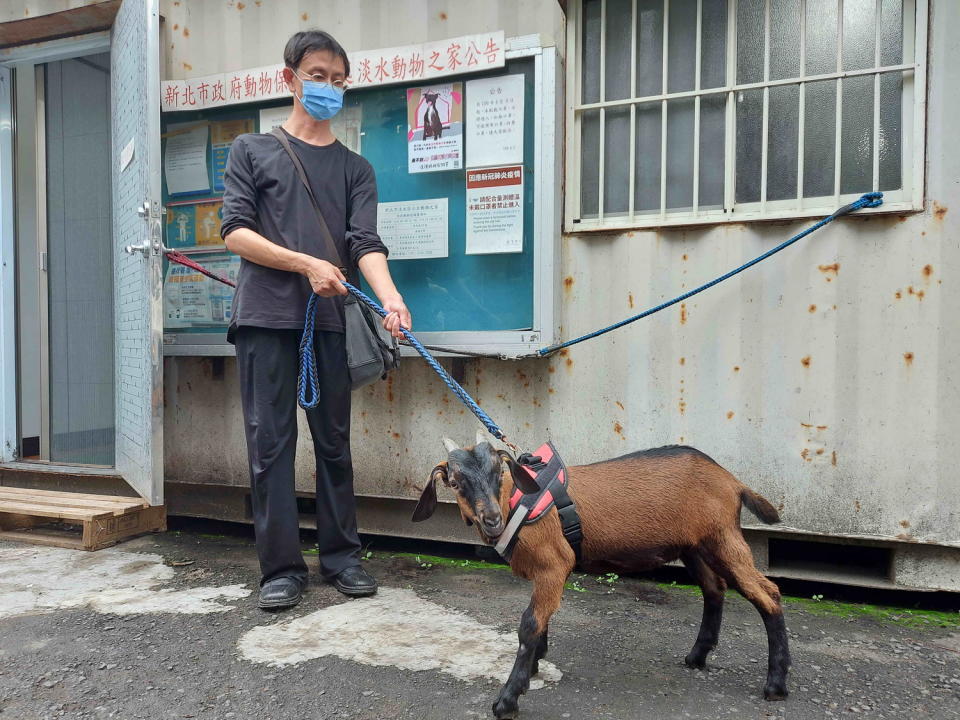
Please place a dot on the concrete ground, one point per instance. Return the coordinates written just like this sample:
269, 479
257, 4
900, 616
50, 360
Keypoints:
165, 626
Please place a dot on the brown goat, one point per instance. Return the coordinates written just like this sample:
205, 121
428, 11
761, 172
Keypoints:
637, 512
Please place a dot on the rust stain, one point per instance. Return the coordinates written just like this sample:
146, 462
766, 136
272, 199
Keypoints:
898, 294
927, 271
187, 66
569, 363
683, 406
564, 352
684, 256
443, 16
833, 458
730, 415
812, 309
736, 368
536, 403
806, 425
396, 435
830, 270
820, 451
618, 428
923, 233
304, 17
389, 388
904, 523
683, 313
805, 454
683, 361
551, 391
620, 405
630, 299
805, 361
568, 282
908, 358
241, 6
939, 211
551, 369
681, 438
920, 294
176, 26
501, 396
902, 218
186, 31
856, 505
258, 3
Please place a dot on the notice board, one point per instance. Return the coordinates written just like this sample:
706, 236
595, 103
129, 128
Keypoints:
466, 280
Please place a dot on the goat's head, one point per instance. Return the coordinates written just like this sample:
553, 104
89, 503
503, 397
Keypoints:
475, 474
431, 97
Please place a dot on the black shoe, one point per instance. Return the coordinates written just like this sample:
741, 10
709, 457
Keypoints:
355, 581
280, 593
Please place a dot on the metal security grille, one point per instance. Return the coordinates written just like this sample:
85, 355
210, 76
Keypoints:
702, 111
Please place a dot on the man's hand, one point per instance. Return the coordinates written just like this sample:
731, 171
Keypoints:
325, 278
398, 316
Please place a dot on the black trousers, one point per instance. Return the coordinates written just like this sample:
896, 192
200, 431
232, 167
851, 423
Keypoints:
267, 362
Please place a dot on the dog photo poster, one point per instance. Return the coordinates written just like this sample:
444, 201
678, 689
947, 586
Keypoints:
435, 128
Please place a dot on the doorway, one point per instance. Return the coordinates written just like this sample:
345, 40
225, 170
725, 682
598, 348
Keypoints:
65, 290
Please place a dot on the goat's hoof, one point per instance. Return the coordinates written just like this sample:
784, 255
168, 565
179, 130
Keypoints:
696, 662
505, 708
775, 692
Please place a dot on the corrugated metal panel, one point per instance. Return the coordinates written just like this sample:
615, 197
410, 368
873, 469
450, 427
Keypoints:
202, 37
825, 378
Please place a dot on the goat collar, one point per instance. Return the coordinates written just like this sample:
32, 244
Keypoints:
547, 469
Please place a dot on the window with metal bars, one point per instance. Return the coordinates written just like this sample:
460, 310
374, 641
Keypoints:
701, 111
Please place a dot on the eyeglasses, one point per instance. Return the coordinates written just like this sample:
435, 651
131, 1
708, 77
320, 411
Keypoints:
340, 85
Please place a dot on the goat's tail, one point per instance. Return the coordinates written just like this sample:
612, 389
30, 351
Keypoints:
759, 506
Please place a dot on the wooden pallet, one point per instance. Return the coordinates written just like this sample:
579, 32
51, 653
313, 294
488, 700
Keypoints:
39, 517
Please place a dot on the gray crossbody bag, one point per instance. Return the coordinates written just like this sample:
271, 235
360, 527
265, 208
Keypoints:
371, 351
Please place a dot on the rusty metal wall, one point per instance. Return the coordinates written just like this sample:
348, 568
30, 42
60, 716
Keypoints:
202, 37
827, 378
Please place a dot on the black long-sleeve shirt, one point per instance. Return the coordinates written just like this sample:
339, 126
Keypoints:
262, 192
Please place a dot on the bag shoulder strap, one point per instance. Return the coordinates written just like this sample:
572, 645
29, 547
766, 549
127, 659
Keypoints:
324, 230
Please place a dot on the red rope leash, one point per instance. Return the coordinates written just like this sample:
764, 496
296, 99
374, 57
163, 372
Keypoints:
181, 259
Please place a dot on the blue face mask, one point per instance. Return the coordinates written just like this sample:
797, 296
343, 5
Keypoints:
321, 100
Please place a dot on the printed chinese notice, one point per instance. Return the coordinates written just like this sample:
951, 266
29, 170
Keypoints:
424, 62
191, 299
414, 229
495, 130
345, 125
435, 128
495, 210
222, 135
185, 162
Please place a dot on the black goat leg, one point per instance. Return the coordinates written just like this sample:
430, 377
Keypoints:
713, 588
540, 653
547, 593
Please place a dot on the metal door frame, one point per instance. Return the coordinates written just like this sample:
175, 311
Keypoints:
25, 62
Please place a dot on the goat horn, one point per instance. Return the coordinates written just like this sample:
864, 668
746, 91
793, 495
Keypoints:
450, 445
481, 436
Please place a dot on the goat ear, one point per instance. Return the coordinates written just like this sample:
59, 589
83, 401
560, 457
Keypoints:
521, 479
428, 498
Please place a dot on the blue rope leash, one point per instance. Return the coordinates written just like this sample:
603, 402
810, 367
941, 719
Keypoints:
869, 200
308, 384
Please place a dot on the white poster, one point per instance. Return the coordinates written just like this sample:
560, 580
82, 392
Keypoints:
495, 129
495, 210
191, 299
345, 125
424, 62
435, 128
414, 229
185, 162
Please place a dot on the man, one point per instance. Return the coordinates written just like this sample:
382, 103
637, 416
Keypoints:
269, 221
